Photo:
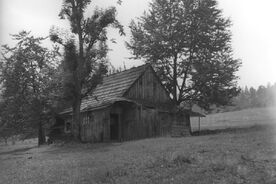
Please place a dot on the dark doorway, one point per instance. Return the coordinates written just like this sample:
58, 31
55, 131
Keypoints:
114, 126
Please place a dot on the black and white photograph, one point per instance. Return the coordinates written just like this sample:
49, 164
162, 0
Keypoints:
137, 92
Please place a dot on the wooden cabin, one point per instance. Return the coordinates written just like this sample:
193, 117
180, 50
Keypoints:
128, 105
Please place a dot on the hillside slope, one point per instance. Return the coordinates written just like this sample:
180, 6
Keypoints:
247, 156
243, 118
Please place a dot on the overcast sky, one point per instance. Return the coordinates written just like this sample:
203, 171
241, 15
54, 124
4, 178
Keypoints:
254, 28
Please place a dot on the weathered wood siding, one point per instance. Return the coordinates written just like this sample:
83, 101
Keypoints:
181, 128
131, 125
148, 88
166, 120
141, 122
95, 126
135, 122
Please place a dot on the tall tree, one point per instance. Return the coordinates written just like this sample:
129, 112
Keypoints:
189, 44
262, 96
26, 73
6, 127
84, 61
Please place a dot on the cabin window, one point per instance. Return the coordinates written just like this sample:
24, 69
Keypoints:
67, 127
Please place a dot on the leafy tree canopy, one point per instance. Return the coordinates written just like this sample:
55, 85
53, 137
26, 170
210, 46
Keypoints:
189, 44
27, 75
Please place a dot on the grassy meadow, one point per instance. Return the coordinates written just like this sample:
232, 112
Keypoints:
246, 156
235, 119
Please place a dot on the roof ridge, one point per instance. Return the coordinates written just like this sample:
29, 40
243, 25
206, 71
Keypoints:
132, 68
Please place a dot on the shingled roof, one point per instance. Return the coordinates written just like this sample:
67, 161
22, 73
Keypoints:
111, 89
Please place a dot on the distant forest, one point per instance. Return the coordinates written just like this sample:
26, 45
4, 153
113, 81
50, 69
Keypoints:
263, 96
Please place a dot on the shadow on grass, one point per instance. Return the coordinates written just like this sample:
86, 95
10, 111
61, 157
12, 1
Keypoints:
17, 151
232, 130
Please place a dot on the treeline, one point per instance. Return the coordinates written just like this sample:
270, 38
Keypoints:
262, 96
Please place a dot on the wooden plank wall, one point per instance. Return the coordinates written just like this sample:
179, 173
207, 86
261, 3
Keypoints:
181, 126
148, 88
166, 120
130, 126
95, 126
138, 123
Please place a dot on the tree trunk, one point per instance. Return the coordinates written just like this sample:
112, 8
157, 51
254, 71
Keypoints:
175, 117
76, 120
175, 79
41, 134
189, 124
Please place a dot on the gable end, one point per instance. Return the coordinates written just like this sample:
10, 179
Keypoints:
148, 88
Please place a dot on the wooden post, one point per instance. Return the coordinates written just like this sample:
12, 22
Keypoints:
198, 125
120, 127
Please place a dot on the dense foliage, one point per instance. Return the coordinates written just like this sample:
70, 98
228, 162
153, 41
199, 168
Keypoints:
189, 44
84, 61
27, 78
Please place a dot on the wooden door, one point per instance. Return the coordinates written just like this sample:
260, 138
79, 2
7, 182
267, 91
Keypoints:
114, 126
